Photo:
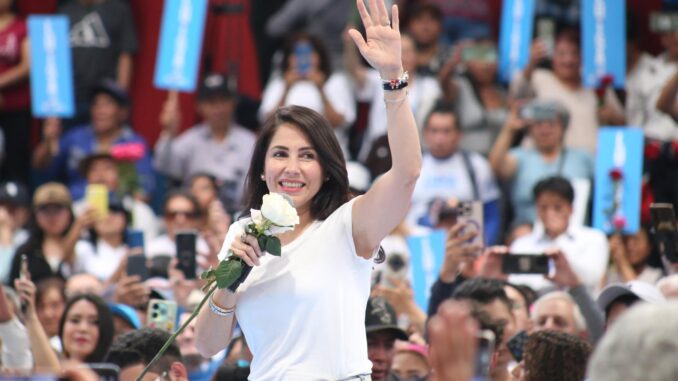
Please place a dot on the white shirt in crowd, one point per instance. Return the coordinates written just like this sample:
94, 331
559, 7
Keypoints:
448, 178
422, 93
100, 261
143, 217
303, 313
337, 91
643, 92
585, 248
163, 245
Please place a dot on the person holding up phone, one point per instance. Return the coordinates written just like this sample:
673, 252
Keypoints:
307, 80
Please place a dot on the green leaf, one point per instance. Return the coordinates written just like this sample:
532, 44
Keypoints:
273, 246
263, 241
208, 274
228, 272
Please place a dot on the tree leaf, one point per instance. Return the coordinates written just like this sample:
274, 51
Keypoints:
228, 272
273, 246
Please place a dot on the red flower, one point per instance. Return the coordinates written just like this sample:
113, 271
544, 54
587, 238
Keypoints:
619, 222
606, 80
128, 151
652, 151
616, 174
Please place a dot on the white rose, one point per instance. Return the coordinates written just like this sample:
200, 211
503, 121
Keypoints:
277, 209
256, 216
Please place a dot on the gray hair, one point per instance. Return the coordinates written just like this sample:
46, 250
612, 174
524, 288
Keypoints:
641, 346
579, 321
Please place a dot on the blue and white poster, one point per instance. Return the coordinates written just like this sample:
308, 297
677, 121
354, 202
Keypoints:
183, 24
603, 41
618, 176
515, 37
427, 253
51, 67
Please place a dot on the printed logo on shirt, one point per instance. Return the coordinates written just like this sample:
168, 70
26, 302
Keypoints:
90, 33
9, 48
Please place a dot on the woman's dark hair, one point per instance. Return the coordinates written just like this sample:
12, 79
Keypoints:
203, 175
334, 192
555, 356
324, 64
104, 324
570, 35
93, 237
36, 236
43, 286
182, 194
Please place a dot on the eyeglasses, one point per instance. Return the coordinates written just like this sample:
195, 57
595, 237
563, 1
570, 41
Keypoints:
191, 215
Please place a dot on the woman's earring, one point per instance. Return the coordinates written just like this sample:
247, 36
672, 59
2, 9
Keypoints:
262, 177
327, 179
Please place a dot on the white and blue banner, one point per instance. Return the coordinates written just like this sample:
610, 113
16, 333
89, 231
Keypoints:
515, 37
51, 67
618, 179
603, 29
427, 253
183, 24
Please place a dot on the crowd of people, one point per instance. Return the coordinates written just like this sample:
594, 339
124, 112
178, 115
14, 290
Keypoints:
518, 150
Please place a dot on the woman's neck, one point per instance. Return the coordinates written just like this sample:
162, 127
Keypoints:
305, 219
639, 268
112, 240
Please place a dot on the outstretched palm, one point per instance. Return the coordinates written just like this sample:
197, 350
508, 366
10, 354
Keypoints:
382, 48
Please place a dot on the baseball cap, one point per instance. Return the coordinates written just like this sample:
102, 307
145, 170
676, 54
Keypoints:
110, 87
642, 290
86, 163
380, 316
52, 193
541, 110
14, 193
126, 313
213, 86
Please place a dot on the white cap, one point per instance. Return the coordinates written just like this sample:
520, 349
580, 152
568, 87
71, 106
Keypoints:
359, 177
642, 290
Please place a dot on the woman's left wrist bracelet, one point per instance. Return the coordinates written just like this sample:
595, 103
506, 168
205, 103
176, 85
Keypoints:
218, 310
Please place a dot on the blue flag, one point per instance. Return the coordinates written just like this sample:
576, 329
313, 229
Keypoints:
427, 253
604, 41
183, 24
618, 176
515, 37
51, 68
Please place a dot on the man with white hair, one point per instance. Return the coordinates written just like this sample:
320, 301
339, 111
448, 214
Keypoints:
641, 346
558, 311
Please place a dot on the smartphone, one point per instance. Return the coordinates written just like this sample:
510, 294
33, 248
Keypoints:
484, 53
24, 274
134, 239
471, 214
664, 225
525, 264
136, 265
162, 314
396, 268
516, 345
484, 354
96, 196
663, 22
158, 266
546, 33
302, 55
186, 252
105, 371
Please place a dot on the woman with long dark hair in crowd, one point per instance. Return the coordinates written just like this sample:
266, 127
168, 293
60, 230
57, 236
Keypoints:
303, 313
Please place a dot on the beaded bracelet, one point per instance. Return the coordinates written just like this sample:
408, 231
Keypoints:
220, 311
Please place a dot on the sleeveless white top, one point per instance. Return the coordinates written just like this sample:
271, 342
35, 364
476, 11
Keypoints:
303, 314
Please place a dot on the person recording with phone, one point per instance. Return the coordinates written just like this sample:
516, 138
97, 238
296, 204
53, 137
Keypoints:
306, 79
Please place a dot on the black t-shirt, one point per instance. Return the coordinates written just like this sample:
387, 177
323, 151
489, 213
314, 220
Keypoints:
99, 33
38, 266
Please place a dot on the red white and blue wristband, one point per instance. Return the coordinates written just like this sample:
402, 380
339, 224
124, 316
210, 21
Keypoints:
396, 84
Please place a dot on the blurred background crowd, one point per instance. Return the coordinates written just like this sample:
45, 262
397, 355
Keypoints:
174, 162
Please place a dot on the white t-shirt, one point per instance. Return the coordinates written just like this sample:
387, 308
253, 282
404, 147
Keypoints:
100, 261
303, 314
449, 178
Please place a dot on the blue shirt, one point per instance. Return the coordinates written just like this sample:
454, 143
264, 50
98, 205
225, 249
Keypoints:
531, 168
81, 142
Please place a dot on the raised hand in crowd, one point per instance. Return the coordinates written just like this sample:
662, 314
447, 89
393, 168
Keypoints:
563, 275
170, 115
459, 252
131, 290
620, 259
181, 287
490, 265
401, 297
498, 157
81, 223
452, 335
538, 52
447, 71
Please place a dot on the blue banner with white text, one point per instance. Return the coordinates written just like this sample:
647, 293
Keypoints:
515, 37
427, 253
181, 32
603, 41
51, 68
618, 179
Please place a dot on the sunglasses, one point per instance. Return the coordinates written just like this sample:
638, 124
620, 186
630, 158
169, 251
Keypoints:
191, 215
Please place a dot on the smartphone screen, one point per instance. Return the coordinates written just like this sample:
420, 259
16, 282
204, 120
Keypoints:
134, 239
186, 252
484, 354
664, 224
302, 55
136, 265
96, 196
546, 33
525, 264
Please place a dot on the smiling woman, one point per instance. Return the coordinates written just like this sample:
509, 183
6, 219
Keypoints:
303, 313
86, 329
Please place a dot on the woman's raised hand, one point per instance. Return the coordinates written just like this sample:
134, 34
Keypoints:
381, 48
